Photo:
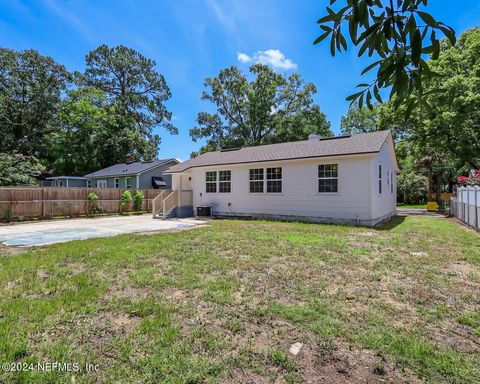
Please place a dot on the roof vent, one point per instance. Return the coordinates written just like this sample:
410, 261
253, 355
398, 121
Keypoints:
229, 149
314, 137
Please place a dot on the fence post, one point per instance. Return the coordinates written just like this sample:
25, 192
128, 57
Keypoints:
475, 191
119, 200
43, 202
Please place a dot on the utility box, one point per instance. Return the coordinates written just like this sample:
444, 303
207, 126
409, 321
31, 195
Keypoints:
204, 210
432, 206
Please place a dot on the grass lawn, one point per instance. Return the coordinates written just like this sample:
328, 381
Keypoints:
418, 206
224, 303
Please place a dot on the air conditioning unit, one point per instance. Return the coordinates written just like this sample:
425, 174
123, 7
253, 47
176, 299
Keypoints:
204, 210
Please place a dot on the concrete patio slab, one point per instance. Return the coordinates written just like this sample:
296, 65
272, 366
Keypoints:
58, 231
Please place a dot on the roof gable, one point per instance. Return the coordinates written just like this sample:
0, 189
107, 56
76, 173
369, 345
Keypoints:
339, 146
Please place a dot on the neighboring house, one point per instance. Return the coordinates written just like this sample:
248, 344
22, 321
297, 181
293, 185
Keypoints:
65, 182
346, 179
133, 175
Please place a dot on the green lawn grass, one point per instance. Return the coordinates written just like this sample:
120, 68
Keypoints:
416, 206
224, 303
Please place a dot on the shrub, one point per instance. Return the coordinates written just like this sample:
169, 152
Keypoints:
125, 199
7, 215
92, 205
474, 179
137, 201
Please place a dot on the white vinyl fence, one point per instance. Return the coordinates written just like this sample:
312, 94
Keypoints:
466, 207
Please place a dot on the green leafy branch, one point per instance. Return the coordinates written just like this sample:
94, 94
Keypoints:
393, 31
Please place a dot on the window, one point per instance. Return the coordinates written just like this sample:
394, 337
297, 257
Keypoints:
256, 180
225, 181
89, 183
101, 183
128, 183
116, 182
211, 182
391, 182
274, 180
328, 178
380, 178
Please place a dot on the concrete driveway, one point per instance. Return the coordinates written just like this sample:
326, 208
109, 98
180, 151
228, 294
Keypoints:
58, 231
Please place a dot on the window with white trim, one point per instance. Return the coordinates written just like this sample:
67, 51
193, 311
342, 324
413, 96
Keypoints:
116, 182
102, 183
256, 180
89, 183
328, 178
380, 178
224, 181
211, 182
128, 183
274, 180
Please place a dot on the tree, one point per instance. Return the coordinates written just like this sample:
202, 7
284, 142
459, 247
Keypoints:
137, 92
80, 146
452, 125
18, 170
360, 120
399, 32
412, 188
380, 117
31, 86
269, 109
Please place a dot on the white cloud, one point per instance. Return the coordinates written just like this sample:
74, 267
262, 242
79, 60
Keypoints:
273, 57
243, 57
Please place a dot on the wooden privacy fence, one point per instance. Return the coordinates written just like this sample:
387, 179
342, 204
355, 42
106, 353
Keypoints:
53, 202
466, 207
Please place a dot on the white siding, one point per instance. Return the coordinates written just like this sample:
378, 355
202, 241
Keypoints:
384, 203
299, 196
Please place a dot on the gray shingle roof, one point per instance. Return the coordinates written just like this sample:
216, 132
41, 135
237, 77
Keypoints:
128, 169
346, 145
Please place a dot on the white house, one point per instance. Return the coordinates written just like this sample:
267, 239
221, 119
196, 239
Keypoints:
346, 179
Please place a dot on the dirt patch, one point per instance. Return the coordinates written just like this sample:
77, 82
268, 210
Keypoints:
320, 360
460, 268
130, 293
346, 364
8, 251
94, 330
456, 336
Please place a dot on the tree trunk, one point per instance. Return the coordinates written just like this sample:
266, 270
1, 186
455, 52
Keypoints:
430, 183
438, 188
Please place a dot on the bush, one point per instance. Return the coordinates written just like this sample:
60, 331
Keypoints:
92, 205
473, 180
7, 215
137, 201
125, 199
412, 188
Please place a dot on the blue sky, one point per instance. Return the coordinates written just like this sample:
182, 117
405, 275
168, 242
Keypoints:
191, 40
